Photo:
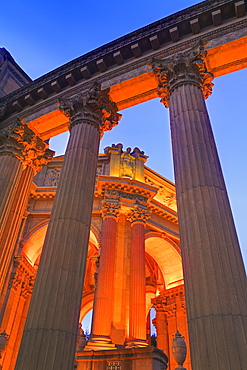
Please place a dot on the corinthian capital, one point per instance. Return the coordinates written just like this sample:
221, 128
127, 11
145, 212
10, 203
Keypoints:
93, 106
187, 67
138, 214
110, 209
20, 141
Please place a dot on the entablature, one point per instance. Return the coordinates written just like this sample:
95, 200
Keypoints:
121, 65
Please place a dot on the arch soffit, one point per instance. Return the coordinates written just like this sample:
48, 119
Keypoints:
34, 240
167, 254
87, 305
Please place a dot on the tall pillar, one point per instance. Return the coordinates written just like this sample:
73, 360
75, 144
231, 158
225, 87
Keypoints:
137, 320
50, 333
22, 154
215, 279
103, 303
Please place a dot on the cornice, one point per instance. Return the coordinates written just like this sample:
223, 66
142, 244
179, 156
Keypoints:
43, 192
163, 211
98, 61
119, 186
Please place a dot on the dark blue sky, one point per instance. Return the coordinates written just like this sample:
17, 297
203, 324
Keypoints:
42, 35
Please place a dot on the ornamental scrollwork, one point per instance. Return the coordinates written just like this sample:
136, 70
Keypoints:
93, 106
185, 67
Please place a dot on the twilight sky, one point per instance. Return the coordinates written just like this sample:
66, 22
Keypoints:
42, 35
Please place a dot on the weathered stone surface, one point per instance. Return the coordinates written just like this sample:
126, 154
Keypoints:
215, 280
50, 334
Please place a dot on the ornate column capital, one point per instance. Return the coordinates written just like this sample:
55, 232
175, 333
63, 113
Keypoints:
110, 209
187, 67
20, 141
93, 106
138, 214
159, 303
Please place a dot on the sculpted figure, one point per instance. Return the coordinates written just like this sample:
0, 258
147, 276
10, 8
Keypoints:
127, 164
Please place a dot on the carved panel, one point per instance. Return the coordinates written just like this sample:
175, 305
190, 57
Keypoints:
23, 276
52, 176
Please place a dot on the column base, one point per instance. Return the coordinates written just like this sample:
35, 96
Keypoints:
136, 343
99, 343
149, 358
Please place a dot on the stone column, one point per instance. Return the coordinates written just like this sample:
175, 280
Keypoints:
22, 154
160, 322
50, 333
137, 323
215, 279
103, 303
11, 160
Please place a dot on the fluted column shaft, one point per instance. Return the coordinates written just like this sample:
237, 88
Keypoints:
51, 328
11, 231
215, 279
10, 173
137, 321
22, 154
103, 307
162, 332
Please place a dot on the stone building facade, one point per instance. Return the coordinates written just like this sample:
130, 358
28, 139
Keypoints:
125, 190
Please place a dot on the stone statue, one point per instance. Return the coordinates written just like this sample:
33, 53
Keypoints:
127, 164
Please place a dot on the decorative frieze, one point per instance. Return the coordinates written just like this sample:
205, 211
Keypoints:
187, 67
121, 194
92, 106
20, 141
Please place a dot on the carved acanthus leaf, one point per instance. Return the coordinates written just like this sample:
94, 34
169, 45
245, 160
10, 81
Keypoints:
93, 106
110, 209
19, 140
138, 214
186, 67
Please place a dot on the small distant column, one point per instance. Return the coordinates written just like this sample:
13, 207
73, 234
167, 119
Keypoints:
160, 322
50, 334
137, 323
214, 274
103, 303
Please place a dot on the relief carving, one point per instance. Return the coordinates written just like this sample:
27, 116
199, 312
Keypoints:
52, 177
121, 194
167, 200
